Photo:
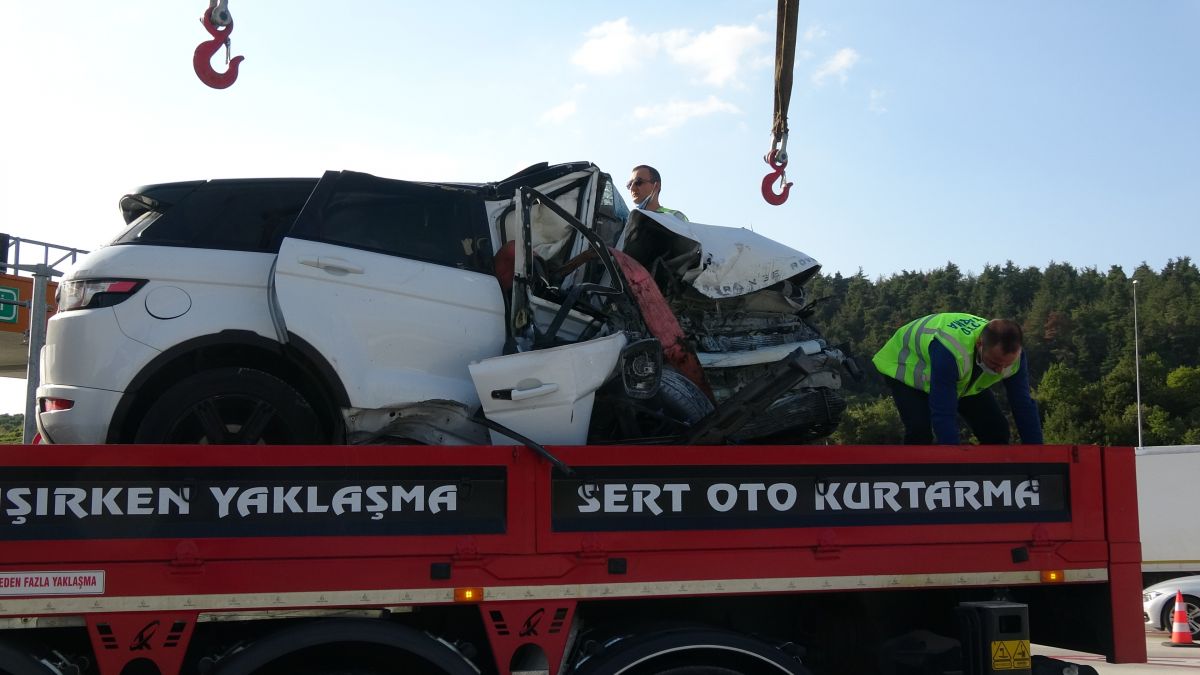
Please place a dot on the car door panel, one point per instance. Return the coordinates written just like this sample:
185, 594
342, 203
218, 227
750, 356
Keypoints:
395, 329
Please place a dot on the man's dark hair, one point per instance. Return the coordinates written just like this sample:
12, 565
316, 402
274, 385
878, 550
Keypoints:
653, 172
1004, 332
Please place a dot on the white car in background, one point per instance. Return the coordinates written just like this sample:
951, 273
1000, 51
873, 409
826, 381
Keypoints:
1158, 604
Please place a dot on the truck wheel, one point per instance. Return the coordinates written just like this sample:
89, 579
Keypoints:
365, 646
231, 406
699, 670
694, 652
1191, 606
14, 661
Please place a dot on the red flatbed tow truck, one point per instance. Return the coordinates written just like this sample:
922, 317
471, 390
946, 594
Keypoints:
123, 560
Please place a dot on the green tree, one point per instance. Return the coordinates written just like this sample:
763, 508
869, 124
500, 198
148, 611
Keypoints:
12, 429
874, 422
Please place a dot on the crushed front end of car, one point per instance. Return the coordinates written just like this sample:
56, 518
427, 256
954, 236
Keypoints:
740, 299
741, 360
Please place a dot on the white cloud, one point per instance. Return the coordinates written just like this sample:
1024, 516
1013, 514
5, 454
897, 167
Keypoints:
876, 103
719, 53
613, 47
815, 32
838, 66
673, 114
560, 113
718, 56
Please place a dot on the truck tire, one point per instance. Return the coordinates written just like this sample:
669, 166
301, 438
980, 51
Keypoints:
1191, 605
699, 670
275, 654
231, 406
694, 652
15, 661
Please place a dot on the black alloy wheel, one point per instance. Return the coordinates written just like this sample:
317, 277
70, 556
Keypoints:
231, 406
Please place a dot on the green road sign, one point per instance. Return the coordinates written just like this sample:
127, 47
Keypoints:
8, 310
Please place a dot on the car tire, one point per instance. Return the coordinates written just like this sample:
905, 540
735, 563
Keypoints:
681, 398
231, 406
665, 417
1191, 605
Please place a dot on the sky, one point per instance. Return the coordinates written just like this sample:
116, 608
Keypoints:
922, 133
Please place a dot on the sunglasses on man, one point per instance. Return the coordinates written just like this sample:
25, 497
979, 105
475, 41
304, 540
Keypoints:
637, 182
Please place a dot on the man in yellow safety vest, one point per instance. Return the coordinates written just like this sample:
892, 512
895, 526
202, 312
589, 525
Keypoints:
941, 366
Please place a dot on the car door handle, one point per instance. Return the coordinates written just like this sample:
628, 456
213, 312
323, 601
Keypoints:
331, 264
523, 394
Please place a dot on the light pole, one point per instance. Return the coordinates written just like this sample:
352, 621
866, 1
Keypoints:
1137, 369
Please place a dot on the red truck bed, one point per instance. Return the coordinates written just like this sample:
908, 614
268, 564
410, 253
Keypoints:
150, 548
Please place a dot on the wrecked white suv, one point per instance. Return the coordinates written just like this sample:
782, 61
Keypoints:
357, 309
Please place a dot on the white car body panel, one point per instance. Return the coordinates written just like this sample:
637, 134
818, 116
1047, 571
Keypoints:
83, 423
552, 389
227, 290
86, 348
91, 355
398, 331
735, 260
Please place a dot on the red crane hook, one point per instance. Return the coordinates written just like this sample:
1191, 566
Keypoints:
777, 175
202, 58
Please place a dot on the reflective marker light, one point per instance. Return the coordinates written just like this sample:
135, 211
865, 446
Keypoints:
470, 594
1053, 576
52, 404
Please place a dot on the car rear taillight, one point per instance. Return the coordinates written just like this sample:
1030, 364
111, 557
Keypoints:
93, 293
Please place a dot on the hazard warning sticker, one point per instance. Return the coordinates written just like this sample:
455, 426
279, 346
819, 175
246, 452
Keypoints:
74, 582
1010, 655
1021, 660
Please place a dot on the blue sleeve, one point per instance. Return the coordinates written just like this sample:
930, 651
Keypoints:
943, 394
1024, 408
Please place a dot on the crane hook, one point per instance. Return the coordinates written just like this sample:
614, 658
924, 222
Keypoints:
777, 175
202, 58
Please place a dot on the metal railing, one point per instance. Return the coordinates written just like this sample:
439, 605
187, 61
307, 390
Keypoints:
52, 256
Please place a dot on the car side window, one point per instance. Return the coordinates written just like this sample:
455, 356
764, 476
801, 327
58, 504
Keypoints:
260, 218
411, 220
231, 216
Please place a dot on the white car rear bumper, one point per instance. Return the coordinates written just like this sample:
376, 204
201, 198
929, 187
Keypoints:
85, 422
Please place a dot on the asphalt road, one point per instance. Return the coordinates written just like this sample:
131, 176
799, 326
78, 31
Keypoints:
1161, 660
